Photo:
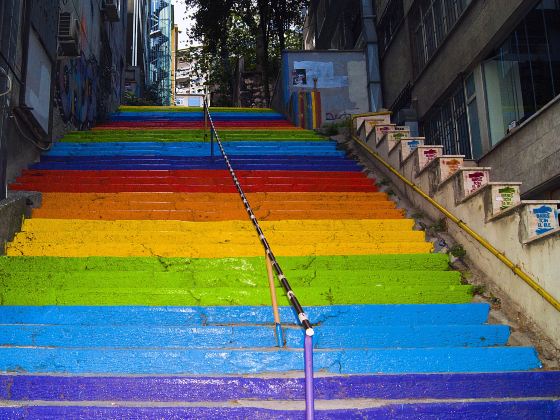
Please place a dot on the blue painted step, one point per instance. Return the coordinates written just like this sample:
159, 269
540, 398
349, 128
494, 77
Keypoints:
347, 337
166, 362
510, 410
194, 149
372, 315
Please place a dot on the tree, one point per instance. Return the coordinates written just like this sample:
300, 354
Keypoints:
256, 30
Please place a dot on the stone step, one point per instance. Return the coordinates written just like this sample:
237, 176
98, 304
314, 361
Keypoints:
420, 262
436, 386
514, 410
149, 295
252, 337
244, 361
210, 277
341, 315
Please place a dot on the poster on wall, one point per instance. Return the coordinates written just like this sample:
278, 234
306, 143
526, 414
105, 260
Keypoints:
317, 71
299, 77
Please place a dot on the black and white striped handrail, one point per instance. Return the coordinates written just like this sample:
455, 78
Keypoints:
289, 292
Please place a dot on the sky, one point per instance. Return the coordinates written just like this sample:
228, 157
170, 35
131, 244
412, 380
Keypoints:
182, 21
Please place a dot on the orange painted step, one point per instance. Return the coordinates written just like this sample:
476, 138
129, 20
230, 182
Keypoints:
198, 207
221, 215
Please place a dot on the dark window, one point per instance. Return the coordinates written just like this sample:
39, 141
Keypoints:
447, 124
431, 21
389, 22
10, 13
523, 73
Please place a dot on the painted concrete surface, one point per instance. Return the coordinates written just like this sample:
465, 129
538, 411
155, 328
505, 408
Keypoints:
192, 389
343, 315
431, 262
542, 409
237, 337
244, 361
148, 304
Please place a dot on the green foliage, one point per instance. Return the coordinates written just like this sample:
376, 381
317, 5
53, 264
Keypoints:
458, 251
478, 289
253, 30
439, 226
151, 97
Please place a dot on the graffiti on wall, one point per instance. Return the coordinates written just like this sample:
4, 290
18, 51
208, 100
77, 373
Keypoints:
76, 85
90, 86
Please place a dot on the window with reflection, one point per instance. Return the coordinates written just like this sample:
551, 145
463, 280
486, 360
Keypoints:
523, 74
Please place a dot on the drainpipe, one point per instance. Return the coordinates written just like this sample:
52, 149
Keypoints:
372, 55
5, 91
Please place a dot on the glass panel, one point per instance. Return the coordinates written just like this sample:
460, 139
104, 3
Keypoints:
474, 128
551, 11
522, 77
469, 86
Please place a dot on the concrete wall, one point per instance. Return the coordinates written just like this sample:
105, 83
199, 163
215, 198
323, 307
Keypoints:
396, 66
508, 231
341, 79
537, 142
90, 86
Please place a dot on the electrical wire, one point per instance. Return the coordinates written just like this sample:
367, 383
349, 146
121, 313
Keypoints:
9, 89
29, 139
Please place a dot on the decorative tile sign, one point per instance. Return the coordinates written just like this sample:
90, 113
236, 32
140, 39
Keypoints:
371, 122
504, 197
543, 219
448, 166
474, 180
426, 155
380, 131
394, 137
409, 146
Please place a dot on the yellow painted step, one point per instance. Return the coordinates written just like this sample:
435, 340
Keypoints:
169, 250
57, 225
212, 236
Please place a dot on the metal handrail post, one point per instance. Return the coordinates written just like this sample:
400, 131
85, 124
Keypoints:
205, 107
278, 325
309, 393
302, 316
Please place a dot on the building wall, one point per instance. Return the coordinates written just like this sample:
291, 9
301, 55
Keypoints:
62, 93
341, 79
396, 67
537, 142
451, 94
480, 30
90, 86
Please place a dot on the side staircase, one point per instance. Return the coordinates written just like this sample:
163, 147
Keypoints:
139, 289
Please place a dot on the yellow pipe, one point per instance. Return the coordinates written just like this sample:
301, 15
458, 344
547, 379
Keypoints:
500, 255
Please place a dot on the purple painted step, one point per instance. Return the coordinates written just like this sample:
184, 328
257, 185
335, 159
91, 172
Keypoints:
192, 389
510, 410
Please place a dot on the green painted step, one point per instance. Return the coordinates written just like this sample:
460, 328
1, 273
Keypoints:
235, 296
220, 278
420, 262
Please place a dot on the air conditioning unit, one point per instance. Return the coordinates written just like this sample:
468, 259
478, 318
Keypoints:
68, 35
111, 10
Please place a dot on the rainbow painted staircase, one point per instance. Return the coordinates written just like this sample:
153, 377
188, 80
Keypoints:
139, 288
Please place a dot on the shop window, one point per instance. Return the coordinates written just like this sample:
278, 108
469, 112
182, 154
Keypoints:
523, 74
